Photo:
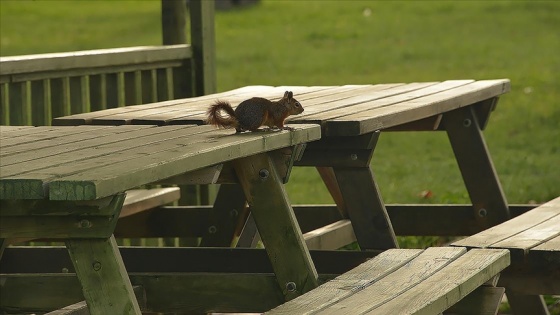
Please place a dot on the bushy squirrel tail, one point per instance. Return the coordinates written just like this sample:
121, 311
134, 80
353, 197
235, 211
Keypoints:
216, 119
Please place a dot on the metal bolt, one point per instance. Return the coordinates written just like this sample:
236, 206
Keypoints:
233, 213
264, 173
64, 270
291, 286
212, 229
96, 266
353, 156
482, 212
467, 122
85, 223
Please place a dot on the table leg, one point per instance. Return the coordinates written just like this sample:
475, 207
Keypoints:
365, 208
228, 207
484, 188
3, 245
103, 277
344, 166
277, 225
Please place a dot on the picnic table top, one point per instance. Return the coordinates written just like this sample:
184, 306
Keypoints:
347, 110
91, 162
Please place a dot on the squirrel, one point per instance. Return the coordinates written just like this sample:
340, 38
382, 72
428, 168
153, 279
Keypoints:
255, 112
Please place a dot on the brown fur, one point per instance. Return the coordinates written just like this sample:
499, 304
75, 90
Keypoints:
254, 112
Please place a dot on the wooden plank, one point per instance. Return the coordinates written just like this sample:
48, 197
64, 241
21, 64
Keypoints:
485, 300
367, 298
228, 208
136, 171
72, 151
81, 308
4, 104
203, 42
476, 166
511, 227
521, 243
527, 304
53, 142
332, 236
22, 260
365, 208
383, 97
96, 220
277, 225
418, 108
448, 286
158, 153
138, 200
93, 58
345, 285
103, 277
87, 118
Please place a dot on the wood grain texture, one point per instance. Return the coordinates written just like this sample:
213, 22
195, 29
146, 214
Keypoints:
129, 159
349, 283
277, 225
103, 277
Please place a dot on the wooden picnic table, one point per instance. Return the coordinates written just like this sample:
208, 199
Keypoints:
86, 168
351, 117
68, 184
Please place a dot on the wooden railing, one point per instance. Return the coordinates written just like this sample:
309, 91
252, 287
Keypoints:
34, 89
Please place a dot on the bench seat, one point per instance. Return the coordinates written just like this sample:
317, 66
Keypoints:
533, 239
403, 281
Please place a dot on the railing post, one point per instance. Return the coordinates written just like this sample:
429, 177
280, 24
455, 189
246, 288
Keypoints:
173, 21
203, 44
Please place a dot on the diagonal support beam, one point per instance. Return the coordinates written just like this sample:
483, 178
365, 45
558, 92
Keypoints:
480, 177
277, 225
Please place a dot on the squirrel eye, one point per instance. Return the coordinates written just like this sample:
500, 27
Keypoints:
298, 104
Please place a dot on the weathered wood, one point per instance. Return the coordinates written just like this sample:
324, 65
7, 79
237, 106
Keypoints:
477, 169
534, 241
93, 58
345, 285
482, 301
277, 225
228, 208
427, 283
173, 21
203, 45
81, 308
422, 220
365, 208
103, 277
22, 260
36, 219
109, 167
404, 110
527, 304
332, 236
138, 200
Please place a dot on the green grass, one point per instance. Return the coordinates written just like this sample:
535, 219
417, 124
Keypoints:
361, 42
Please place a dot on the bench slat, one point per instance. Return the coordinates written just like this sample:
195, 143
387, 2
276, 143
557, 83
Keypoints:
348, 283
138, 200
532, 237
450, 285
512, 227
383, 290
422, 107
421, 282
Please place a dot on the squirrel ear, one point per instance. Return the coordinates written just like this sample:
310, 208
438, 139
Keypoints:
288, 94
